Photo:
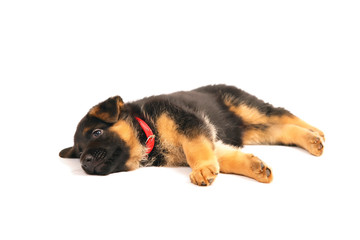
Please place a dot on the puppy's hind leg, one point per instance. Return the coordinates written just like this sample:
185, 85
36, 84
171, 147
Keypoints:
286, 134
291, 119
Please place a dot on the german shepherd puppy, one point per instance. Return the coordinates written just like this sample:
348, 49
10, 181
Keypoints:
204, 129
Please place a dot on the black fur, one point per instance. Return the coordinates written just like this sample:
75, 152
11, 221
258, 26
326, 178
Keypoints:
238, 96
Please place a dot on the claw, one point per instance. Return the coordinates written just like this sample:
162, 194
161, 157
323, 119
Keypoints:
268, 172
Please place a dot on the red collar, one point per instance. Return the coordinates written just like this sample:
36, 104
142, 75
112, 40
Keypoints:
150, 142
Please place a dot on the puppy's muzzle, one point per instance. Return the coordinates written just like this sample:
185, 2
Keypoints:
92, 159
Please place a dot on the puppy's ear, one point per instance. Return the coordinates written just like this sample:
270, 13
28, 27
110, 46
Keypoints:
109, 110
69, 152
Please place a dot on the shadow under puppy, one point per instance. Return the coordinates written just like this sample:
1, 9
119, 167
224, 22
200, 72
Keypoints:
203, 129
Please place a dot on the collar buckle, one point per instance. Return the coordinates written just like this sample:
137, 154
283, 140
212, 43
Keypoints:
149, 138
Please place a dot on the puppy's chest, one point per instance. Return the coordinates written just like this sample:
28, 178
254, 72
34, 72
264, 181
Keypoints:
172, 155
169, 149
165, 155
167, 152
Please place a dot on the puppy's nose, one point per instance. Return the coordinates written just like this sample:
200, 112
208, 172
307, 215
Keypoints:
88, 158
87, 163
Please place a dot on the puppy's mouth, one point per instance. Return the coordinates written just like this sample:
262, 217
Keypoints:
94, 161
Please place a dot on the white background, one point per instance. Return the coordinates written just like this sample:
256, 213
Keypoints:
59, 58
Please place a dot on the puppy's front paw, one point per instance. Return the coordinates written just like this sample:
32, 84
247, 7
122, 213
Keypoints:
205, 175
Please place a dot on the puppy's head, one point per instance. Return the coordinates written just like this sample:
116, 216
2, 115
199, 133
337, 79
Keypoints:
105, 140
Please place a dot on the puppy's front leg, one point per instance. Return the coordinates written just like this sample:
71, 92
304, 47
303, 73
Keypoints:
200, 155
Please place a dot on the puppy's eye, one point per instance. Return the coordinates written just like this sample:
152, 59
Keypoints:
97, 133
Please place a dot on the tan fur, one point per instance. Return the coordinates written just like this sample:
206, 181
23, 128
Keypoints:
250, 115
110, 117
232, 160
105, 116
287, 134
170, 141
286, 129
206, 159
127, 133
198, 153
